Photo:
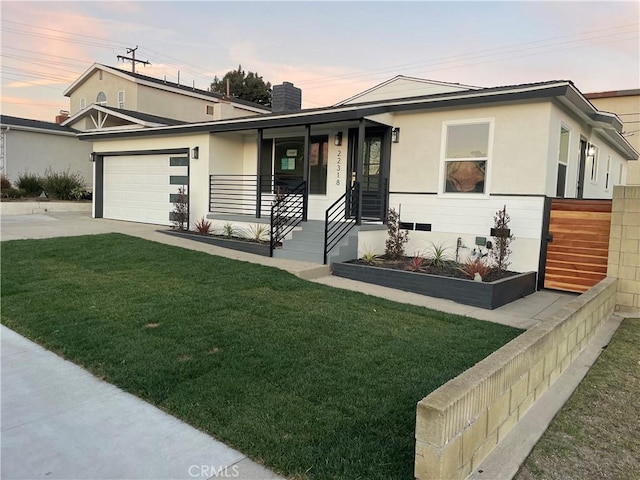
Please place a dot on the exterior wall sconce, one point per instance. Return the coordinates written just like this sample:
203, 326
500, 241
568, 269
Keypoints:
195, 153
395, 135
591, 151
337, 140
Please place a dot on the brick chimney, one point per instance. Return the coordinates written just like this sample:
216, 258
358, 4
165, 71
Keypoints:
62, 116
286, 98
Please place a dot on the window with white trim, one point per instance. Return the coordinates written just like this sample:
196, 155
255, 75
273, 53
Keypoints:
563, 162
83, 103
101, 98
209, 109
466, 157
621, 175
121, 99
593, 162
607, 180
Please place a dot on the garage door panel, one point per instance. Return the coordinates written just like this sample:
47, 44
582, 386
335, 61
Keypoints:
137, 188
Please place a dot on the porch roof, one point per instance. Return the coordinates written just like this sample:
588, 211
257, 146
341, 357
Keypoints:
561, 90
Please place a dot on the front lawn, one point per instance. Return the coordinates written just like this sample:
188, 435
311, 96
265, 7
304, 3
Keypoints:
314, 382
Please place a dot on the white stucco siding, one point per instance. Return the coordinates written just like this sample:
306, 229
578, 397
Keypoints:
452, 218
597, 188
517, 163
110, 84
34, 152
405, 87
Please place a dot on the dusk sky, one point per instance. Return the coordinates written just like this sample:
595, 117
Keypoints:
331, 50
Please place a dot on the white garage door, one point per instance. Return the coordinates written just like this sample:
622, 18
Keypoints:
137, 188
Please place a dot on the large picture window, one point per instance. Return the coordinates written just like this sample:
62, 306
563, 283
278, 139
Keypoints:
466, 157
288, 163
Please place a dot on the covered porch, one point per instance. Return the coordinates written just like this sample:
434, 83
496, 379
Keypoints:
325, 178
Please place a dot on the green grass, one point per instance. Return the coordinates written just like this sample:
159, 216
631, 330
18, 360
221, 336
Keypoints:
596, 434
314, 382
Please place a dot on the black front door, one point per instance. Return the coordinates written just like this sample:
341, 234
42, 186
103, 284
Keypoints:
581, 167
373, 181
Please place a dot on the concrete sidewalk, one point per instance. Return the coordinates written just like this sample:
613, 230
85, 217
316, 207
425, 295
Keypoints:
61, 422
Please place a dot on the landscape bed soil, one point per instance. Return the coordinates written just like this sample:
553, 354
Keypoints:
451, 269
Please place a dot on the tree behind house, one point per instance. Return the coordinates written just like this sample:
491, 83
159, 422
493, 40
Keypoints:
245, 86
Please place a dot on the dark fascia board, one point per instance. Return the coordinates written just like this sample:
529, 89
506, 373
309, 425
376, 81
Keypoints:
519, 93
345, 113
28, 124
251, 123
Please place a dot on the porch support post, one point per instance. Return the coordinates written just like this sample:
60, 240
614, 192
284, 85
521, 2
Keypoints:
258, 174
359, 149
305, 170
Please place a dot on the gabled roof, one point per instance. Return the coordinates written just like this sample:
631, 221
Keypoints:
562, 91
35, 125
402, 86
131, 117
164, 85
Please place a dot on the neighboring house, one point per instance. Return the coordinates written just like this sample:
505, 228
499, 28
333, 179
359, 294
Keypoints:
32, 146
115, 88
625, 104
448, 159
108, 99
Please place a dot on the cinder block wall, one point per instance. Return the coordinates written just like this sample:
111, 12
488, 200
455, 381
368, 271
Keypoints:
460, 423
624, 246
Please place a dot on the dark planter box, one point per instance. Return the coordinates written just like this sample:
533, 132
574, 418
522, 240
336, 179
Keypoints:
487, 295
233, 244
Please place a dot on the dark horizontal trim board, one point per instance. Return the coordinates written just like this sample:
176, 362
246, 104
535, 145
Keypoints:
344, 113
413, 193
120, 153
489, 295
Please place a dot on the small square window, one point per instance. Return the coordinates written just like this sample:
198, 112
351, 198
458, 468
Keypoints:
209, 109
466, 157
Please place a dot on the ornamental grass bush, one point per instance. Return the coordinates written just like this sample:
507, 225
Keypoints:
30, 183
61, 185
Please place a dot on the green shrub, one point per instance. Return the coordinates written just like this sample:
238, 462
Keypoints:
30, 183
5, 184
60, 185
13, 193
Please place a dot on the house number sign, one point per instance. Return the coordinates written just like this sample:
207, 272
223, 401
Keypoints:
338, 166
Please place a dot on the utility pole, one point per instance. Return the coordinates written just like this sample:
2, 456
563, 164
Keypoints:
132, 58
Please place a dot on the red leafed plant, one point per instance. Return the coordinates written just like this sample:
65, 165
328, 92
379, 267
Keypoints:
203, 227
416, 264
473, 266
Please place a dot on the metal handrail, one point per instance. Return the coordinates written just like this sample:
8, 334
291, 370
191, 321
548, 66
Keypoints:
288, 210
337, 219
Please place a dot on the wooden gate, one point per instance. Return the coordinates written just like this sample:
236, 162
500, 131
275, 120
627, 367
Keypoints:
577, 244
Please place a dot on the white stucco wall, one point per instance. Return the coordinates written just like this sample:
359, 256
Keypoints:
34, 152
109, 84
577, 130
627, 107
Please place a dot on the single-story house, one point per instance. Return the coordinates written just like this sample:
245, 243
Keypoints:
32, 146
447, 156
